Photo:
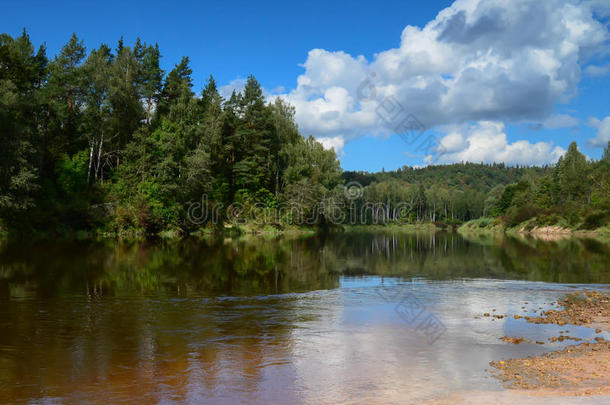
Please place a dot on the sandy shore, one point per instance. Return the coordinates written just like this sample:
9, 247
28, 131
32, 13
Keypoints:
540, 397
578, 370
582, 369
576, 374
554, 233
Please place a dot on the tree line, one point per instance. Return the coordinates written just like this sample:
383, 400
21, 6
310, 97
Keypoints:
451, 193
574, 193
106, 141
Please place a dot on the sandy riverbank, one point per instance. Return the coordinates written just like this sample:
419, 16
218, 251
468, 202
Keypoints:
577, 370
576, 374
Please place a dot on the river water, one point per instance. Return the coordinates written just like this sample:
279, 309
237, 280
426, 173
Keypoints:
339, 318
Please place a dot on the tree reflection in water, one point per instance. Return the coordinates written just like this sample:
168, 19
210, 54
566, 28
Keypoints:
222, 319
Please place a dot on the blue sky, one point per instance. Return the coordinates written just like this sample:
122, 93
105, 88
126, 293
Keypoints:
274, 41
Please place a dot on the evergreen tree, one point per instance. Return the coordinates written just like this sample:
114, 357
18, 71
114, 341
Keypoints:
253, 166
20, 75
98, 69
65, 96
231, 141
76, 133
571, 172
127, 111
178, 82
152, 76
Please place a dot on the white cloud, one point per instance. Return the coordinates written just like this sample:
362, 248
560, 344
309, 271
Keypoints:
478, 60
278, 89
603, 132
558, 121
598, 70
236, 85
336, 143
486, 142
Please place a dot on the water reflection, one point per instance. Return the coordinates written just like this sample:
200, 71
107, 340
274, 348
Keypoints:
255, 266
269, 320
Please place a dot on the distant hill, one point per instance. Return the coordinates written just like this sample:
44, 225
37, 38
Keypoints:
475, 176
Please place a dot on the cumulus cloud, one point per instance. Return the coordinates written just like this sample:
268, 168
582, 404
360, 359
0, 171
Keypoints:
603, 132
336, 143
478, 60
486, 142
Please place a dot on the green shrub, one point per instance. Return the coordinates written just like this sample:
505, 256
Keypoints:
485, 222
596, 220
516, 215
547, 219
71, 172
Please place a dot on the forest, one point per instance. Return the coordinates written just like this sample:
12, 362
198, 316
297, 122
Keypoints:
103, 141
574, 193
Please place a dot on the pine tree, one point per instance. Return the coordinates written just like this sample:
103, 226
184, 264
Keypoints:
138, 50
152, 76
81, 120
231, 140
209, 94
98, 69
65, 95
177, 85
254, 165
127, 110
21, 72
571, 173
178, 82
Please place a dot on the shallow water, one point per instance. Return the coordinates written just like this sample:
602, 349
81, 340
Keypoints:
377, 317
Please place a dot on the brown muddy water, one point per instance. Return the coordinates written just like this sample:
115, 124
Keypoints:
341, 318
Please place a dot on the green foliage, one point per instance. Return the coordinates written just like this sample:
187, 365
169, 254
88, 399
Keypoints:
452, 193
96, 130
485, 222
571, 169
266, 198
596, 220
107, 139
512, 194
517, 214
575, 194
20, 75
482, 224
151, 78
71, 172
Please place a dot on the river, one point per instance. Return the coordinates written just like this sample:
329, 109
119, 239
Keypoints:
377, 317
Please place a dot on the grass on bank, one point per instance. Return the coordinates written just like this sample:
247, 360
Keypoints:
484, 224
537, 226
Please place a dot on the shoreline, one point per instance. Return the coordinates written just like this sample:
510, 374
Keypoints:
549, 233
225, 231
581, 369
478, 227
